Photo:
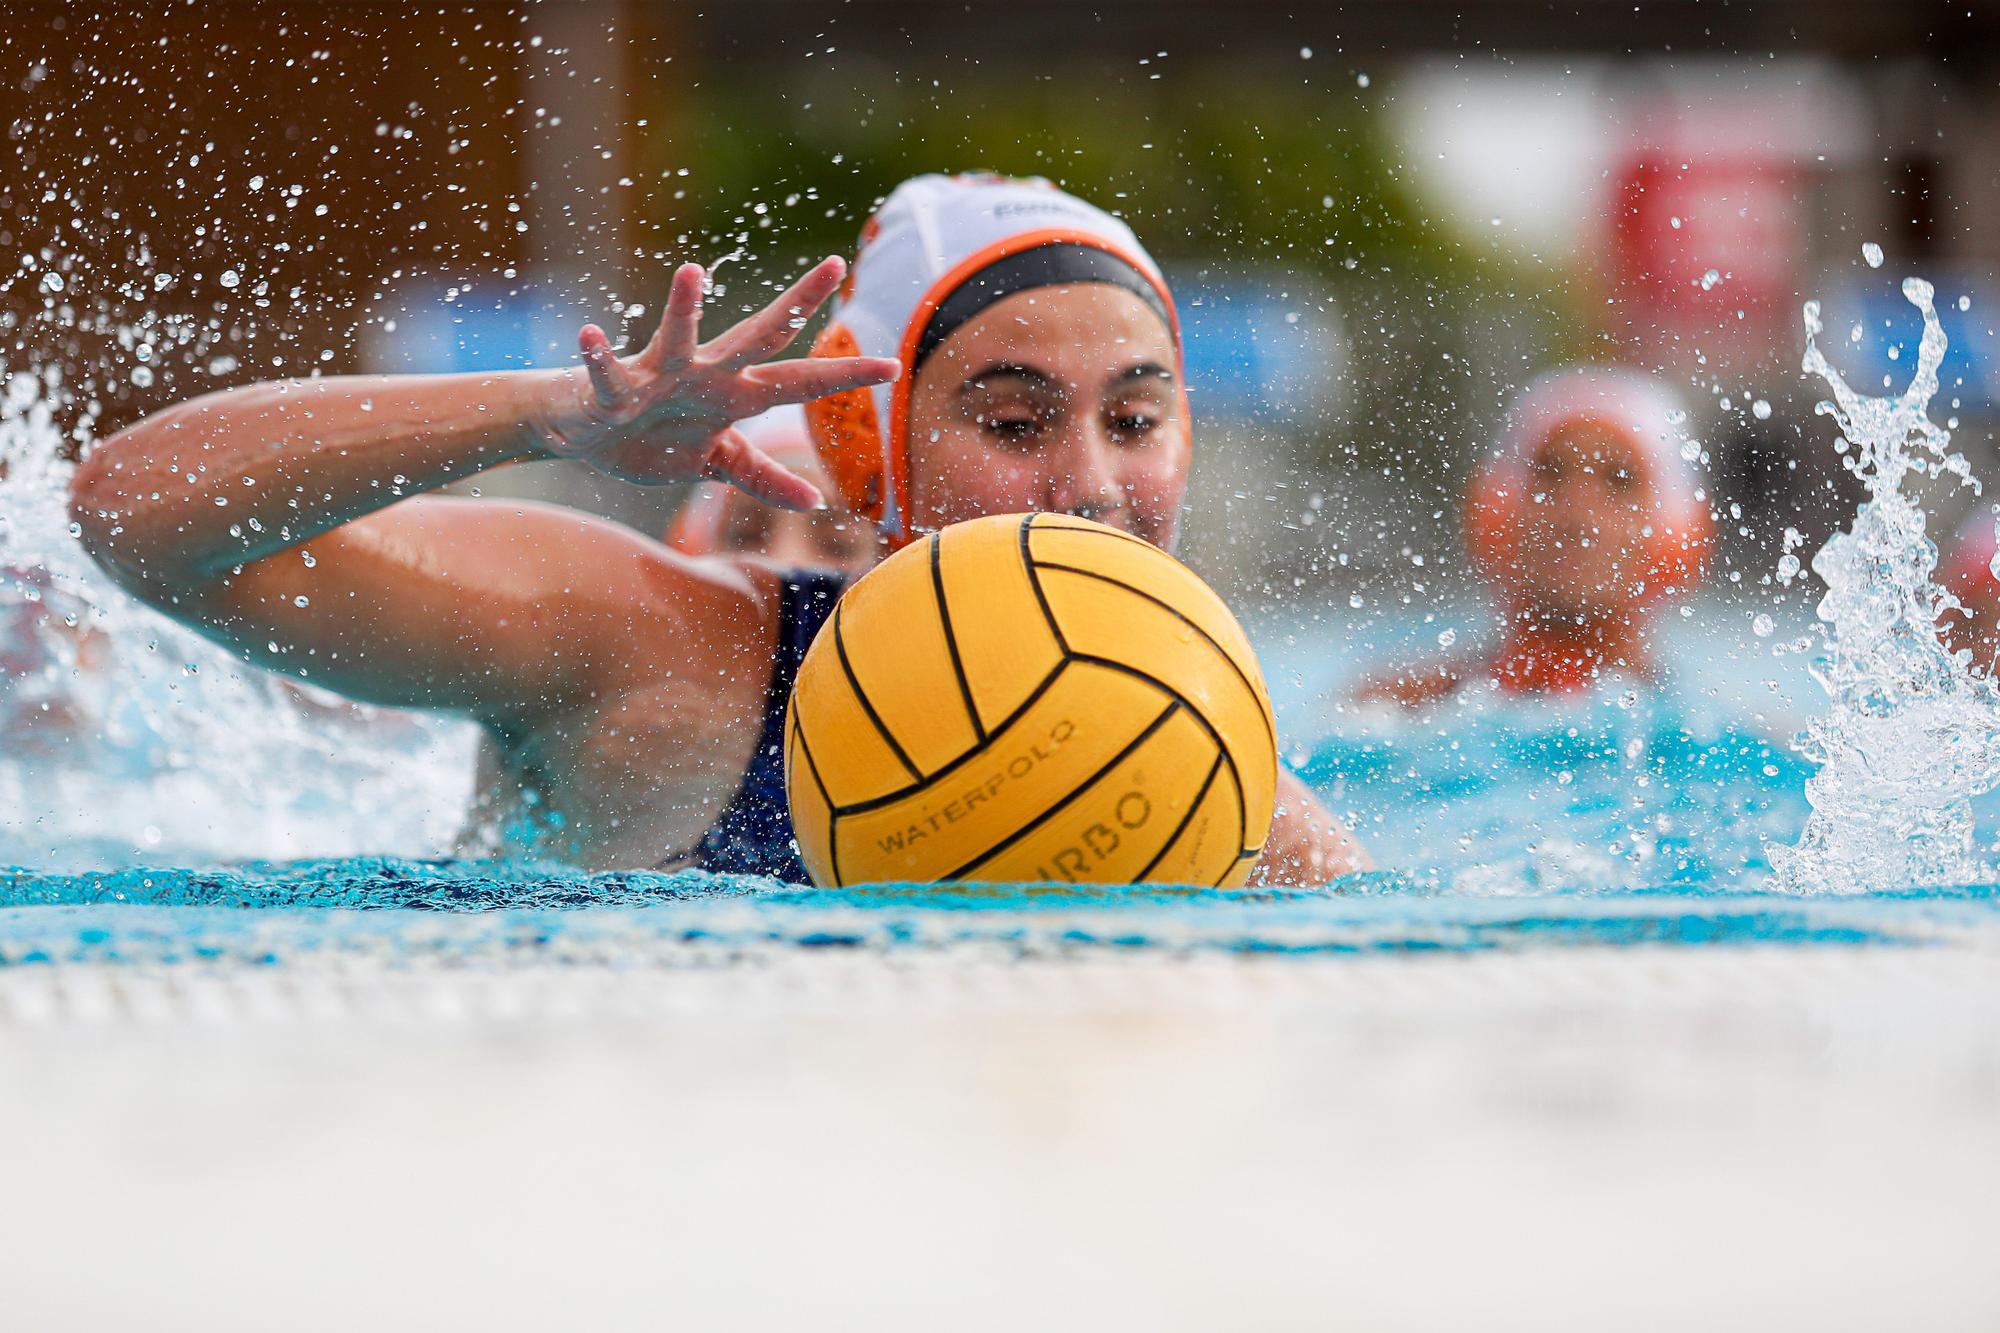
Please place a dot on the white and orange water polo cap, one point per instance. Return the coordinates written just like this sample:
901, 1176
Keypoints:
1649, 418
913, 281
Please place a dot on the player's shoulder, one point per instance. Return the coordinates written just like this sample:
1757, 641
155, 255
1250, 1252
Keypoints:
715, 614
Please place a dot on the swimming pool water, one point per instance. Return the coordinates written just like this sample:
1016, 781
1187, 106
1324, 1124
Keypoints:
473, 913
1630, 818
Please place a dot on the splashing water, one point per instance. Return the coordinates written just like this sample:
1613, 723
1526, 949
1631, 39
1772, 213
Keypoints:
1913, 733
123, 735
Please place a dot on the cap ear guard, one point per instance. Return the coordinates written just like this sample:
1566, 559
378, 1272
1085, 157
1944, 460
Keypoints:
1489, 528
848, 434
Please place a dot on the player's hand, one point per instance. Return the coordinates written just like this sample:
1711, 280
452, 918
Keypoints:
668, 414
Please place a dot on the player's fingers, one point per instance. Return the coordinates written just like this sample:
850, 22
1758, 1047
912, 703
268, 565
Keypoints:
680, 327
805, 378
608, 377
733, 459
769, 331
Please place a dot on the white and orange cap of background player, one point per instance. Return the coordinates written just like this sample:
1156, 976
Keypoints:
930, 237
1645, 414
781, 433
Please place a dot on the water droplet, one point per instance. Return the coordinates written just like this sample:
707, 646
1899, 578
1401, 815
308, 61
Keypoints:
142, 377
302, 601
1354, 601
1305, 53
1761, 410
1763, 626
1872, 253
1447, 637
1709, 279
1362, 80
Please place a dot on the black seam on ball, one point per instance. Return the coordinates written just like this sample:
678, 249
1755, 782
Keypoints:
832, 813
901, 793
812, 765
1074, 792
1053, 524
1035, 582
840, 645
1235, 777
1186, 819
1256, 695
951, 639
1249, 854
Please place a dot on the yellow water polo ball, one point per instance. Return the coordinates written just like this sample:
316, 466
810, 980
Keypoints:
1030, 698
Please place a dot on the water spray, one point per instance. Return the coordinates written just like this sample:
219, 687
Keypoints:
1913, 731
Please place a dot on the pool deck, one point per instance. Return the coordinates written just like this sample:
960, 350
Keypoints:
1633, 1139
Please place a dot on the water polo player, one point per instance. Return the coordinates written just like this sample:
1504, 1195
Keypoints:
1583, 521
638, 694
719, 519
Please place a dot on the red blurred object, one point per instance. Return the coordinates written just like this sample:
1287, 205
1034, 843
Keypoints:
1679, 216
1717, 184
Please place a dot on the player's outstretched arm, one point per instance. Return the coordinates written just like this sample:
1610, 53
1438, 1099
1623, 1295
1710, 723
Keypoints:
289, 519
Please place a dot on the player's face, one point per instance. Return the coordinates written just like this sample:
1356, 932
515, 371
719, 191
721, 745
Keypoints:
1583, 544
1059, 399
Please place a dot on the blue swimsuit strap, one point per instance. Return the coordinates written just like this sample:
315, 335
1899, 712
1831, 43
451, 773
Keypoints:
753, 834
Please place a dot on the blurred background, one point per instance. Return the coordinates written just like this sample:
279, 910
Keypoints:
1381, 220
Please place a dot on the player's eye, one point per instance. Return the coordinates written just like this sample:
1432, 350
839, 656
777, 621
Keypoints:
1134, 427
1014, 427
